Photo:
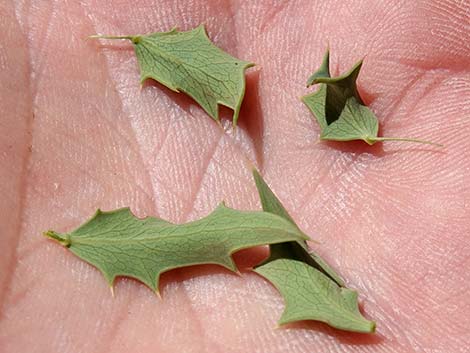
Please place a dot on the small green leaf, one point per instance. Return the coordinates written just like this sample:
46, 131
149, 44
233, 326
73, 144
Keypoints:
310, 295
119, 244
340, 111
311, 289
296, 250
338, 89
190, 62
356, 122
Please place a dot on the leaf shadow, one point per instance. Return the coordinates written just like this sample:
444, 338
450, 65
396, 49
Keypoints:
377, 150
182, 100
367, 97
350, 338
244, 259
251, 116
356, 147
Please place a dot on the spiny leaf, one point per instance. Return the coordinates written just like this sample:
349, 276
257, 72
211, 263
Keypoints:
119, 244
310, 295
338, 89
296, 250
322, 72
312, 290
340, 111
190, 62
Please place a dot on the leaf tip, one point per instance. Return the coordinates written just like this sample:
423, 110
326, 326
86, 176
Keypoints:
255, 172
202, 25
323, 71
229, 264
249, 64
305, 237
367, 326
109, 279
157, 293
283, 320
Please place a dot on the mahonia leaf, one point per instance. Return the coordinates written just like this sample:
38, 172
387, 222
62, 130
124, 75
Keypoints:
119, 244
338, 89
296, 250
190, 62
310, 295
340, 111
312, 290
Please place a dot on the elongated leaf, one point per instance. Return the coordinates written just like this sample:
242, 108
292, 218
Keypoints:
296, 250
190, 62
310, 295
339, 109
119, 244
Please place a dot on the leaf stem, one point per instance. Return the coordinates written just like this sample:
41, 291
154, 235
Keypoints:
64, 240
381, 139
133, 39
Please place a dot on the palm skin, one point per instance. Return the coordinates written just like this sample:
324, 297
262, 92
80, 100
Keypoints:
78, 133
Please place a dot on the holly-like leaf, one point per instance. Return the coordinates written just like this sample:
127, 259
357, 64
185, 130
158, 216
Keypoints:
190, 62
296, 250
340, 111
310, 295
312, 290
338, 89
119, 244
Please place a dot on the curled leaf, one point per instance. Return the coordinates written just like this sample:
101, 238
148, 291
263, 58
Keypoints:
338, 89
311, 289
296, 250
340, 111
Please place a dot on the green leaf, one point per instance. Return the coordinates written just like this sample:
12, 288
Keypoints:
338, 89
356, 122
296, 250
190, 62
311, 289
340, 111
310, 295
119, 244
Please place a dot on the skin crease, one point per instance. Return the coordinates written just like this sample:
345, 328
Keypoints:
78, 133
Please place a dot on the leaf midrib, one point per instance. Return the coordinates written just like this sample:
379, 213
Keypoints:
93, 239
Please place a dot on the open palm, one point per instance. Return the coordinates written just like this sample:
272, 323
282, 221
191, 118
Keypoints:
78, 133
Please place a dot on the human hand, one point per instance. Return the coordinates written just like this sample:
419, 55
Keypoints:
79, 134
